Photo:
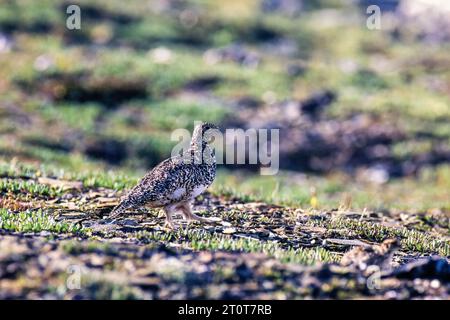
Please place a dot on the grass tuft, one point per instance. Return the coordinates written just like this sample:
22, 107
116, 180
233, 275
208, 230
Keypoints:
35, 221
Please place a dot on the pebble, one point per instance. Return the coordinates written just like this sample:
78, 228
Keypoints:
229, 230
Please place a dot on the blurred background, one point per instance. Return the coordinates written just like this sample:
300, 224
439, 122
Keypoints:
363, 114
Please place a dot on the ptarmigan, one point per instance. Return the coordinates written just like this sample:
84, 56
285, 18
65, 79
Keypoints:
379, 255
175, 182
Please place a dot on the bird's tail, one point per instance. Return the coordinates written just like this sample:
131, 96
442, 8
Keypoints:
120, 208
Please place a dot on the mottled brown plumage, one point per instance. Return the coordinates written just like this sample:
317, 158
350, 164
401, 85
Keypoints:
175, 182
364, 256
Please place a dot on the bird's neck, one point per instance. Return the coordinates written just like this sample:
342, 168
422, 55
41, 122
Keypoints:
202, 153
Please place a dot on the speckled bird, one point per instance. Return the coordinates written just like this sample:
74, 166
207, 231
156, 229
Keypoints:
175, 182
379, 254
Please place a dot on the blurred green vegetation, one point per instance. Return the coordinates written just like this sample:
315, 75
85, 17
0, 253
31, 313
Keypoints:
107, 97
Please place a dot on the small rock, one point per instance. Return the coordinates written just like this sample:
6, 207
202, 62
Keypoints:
130, 222
161, 55
230, 230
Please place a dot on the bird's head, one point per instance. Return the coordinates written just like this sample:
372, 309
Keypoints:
205, 126
204, 132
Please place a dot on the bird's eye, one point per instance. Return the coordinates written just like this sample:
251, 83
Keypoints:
209, 138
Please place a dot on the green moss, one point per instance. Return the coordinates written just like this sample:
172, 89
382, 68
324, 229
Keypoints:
29, 187
35, 221
202, 240
411, 240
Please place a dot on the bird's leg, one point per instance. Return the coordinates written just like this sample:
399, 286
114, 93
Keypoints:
184, 212
189, 215
169, 221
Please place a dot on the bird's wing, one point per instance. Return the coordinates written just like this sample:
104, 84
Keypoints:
155, 183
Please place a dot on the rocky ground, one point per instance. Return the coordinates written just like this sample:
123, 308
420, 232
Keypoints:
67, 247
